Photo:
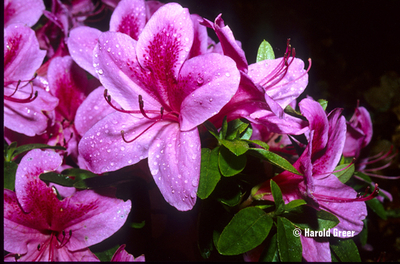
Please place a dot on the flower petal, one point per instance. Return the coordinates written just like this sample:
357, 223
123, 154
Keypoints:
174, 163
81, 43
120, 73
91, 217
206, 84
92, 110
104, 149
129, 17
21, 11
17, 232
69, 83
28, 186
286, 90
28, 118
22, 56
316, 249
163, 46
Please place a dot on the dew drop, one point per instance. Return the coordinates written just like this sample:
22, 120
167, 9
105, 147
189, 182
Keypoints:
200, 81
195, 183
227, 74
100, 72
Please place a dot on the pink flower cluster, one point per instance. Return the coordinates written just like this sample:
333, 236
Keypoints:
142, 90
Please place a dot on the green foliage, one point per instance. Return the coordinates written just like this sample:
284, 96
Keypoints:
274, 159
247, 229
377, 207
345, 250
289, 246
209, 172
277, 194
229, 163
265, 52
323, 103
344, 174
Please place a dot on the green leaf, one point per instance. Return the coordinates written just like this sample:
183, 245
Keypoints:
277, 194
237, 147
364, 233
10, 169
224, 129
293, 204
28, 147
274, 159
259, 142
235, 129
270, 253
138, 225
211, 128
289, 246
306, 217
57, 178
247, 229
9, 151
345, 250
247, 133
377, 207
323, 103
229, 163
346, 174
209, 172
228, 193
105, 256
265, 52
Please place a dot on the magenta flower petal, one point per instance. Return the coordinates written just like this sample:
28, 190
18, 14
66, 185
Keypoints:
58, 230
316, 250
92, 110
28, 118
121, 255
228, 42
21, 11
200, 40
81, 43
129, 17
175, 165
289, 87
350, 214
22, 56
318, 121
105, 150
163, 47
27, 176
69, 83
200, 90
120, 72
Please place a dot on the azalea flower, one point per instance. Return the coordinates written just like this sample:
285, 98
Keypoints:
164, 97
319, 187
26, 105
39, 227
266, 87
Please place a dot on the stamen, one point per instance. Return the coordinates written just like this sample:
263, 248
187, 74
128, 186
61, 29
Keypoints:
325, 198
62, 244
29, 99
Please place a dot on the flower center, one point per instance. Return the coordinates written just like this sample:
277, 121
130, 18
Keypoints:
281, 70
52, 244
172, 116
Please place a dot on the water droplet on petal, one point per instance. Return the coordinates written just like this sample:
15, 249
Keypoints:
100, 72
200, 81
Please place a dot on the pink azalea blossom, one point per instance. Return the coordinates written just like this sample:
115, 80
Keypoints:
359, 132
164, 97
39, 227
25, 103
266, 87
319, 186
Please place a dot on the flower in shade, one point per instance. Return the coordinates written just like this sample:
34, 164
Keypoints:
40, 227
318, 185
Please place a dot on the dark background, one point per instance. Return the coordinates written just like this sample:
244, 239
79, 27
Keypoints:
355, 52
